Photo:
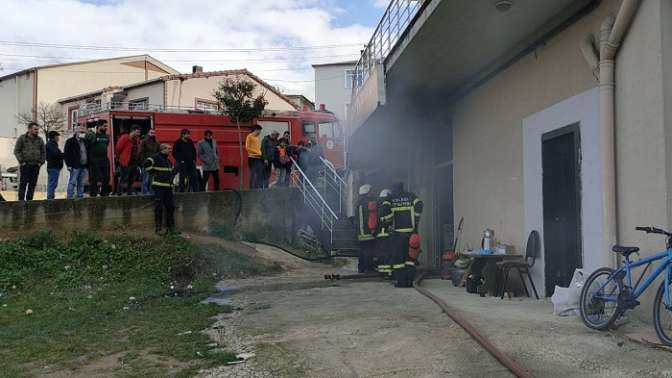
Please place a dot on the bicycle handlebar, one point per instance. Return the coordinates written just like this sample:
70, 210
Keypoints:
652, 230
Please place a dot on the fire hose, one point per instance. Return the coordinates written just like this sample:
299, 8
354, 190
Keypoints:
505, 360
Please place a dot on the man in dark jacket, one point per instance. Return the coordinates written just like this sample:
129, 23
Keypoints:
54, 163
76, 160
31, 153
97, 145
148, 148
184, 153
162, 182
268, 152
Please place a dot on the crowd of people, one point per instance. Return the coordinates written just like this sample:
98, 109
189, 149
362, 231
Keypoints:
85, 155
273, 153
143, 158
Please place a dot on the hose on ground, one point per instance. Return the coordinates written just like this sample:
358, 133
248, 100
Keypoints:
505, 360
338, 277
320, 258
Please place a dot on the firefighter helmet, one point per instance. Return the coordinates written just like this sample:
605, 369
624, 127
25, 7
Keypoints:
364, 189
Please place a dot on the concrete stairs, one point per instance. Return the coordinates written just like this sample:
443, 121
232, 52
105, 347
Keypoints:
345, 239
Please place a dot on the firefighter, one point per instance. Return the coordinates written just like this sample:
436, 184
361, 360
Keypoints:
367, 220
404, 214
383, 246
162, 171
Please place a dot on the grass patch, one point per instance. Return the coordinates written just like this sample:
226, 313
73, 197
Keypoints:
92, 297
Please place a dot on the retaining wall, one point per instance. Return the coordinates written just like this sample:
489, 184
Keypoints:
272, 215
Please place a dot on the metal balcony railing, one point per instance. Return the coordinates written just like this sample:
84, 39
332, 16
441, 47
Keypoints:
93, 108
397, 17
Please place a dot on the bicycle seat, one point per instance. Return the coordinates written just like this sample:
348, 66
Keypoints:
625, 251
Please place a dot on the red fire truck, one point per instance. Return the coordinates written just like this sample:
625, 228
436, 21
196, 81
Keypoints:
320, 125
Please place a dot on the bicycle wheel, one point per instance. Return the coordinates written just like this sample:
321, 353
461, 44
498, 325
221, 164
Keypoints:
598, 304
662, 316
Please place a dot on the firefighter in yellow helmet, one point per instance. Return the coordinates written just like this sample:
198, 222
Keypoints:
404, 216
366, 218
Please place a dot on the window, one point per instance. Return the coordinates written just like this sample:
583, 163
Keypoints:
326, 130
207, 105
270, 126
350, 77
139, 104
331, 130
74, 117
308, 129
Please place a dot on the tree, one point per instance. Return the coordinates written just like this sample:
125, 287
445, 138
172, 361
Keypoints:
49, 117
237, 100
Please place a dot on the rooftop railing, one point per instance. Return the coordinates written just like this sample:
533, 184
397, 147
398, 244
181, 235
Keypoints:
397, 17
93, 108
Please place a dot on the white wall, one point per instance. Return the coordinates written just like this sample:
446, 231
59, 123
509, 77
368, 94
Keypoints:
330, 88
16, 97
154, 93
582, 109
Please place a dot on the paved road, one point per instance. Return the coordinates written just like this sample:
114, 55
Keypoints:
371, 329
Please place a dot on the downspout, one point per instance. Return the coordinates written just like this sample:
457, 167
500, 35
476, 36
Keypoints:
612, 32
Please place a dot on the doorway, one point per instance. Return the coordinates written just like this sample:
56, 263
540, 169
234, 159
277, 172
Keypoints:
561, 162
444, 218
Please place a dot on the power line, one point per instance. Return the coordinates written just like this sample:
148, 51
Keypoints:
172, 50
265, 79
195, 60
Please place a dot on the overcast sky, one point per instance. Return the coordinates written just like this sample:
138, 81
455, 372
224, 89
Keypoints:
294, 26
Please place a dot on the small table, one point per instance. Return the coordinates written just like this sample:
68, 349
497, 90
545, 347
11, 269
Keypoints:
486, 266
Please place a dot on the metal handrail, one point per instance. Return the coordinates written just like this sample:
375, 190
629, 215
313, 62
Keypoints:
314, 190
332, 168
397, 17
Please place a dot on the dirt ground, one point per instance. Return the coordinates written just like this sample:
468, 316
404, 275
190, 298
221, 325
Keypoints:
297, 324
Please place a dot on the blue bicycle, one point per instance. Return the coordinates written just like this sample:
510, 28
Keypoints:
608, 293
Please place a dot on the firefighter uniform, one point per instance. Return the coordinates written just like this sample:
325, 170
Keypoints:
383, 255
162, 172
366, 227
404, 215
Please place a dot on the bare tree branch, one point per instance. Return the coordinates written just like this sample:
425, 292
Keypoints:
50, 117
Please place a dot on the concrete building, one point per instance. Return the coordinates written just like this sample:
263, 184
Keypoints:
508, 120
21, 92
178, 92
333, 86
301, 102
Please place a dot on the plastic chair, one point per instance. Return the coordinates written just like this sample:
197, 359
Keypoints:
523, 266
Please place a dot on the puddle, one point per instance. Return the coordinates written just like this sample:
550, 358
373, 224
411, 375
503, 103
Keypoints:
218, 300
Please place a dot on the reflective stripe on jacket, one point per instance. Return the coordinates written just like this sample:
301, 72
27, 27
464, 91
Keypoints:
161, 169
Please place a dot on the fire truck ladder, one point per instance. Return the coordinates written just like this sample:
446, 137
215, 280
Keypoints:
315, 200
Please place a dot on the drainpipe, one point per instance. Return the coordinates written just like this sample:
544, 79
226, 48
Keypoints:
612, 32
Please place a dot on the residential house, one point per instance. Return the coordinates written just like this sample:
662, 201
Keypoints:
177, 92
512, 121
333, 86
301, 102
